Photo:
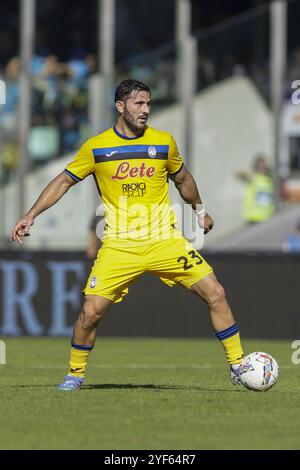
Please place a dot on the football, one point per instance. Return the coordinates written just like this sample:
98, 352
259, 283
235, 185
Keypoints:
259, 371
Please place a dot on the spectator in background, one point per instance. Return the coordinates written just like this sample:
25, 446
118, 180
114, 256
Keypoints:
259, 192
78, 69
292, 244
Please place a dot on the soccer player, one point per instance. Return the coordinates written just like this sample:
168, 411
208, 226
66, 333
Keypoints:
131, 164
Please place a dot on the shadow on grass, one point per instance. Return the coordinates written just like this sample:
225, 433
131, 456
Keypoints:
156, 387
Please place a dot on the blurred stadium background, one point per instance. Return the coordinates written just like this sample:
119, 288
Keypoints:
222, 77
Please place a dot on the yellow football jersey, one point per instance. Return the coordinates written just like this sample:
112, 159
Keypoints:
132, 178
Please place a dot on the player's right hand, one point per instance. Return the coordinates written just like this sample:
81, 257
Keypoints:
21, 229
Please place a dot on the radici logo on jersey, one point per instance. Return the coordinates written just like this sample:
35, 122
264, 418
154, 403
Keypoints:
134, 189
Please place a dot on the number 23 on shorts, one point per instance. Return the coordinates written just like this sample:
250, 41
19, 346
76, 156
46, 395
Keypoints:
188, 263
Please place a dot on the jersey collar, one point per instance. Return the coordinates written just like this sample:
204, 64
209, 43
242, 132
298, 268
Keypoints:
125, 137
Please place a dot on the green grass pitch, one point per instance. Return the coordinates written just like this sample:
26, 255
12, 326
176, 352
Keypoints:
144, 394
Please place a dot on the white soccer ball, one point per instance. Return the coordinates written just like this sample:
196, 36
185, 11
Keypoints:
259, 371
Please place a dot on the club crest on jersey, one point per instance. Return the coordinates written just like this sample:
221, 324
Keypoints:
152, 151
93, 282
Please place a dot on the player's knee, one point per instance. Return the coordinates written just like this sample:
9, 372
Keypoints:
92, 312
217, 295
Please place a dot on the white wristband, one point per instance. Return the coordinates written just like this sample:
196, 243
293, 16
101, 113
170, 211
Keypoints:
200, 212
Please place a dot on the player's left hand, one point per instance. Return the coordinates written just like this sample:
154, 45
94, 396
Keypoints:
206, 222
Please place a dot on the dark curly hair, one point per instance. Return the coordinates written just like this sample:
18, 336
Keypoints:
125, 88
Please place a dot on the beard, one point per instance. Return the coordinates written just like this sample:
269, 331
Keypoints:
132, 125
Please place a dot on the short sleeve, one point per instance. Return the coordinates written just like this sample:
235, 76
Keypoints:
83, 163
175, 160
